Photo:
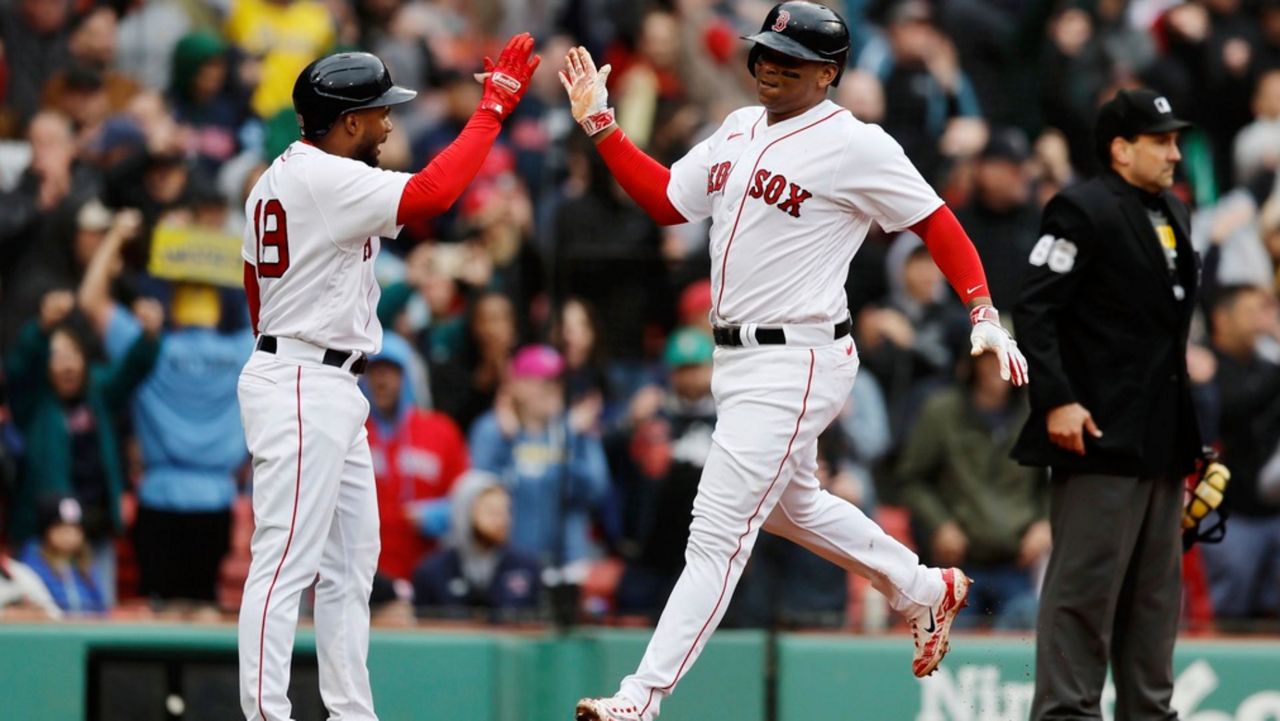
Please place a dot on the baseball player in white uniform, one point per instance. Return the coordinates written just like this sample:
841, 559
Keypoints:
791, 189
316, 216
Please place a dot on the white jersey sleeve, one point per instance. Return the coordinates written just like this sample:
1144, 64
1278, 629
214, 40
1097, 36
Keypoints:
355, 200
687, 189
876, 178
249, 242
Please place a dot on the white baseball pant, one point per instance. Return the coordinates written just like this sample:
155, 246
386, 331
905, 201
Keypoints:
772, 403
315, 509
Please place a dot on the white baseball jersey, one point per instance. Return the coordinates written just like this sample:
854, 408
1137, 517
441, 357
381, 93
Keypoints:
314, 225
314, 221
790, 204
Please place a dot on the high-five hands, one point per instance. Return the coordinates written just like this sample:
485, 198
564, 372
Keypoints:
989, 335
507, 80
588, 98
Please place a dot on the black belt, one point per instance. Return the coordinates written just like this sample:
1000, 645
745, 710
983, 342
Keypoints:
335, 358
765, 335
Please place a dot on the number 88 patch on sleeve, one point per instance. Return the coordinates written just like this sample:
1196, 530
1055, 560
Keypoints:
1059, 254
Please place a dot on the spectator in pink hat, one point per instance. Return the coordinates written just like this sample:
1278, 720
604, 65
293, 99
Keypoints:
550, 459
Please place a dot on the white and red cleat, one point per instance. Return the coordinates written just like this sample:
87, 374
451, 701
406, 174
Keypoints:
606, 709
932, 631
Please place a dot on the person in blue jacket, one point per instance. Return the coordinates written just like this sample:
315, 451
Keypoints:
551, 460
60, 557
186, 418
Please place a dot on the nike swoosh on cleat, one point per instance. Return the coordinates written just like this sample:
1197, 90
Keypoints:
932, 625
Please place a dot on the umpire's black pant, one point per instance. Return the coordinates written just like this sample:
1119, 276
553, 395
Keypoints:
1113, 591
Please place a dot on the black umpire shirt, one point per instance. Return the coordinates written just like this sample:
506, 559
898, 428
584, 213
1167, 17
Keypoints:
1105, 310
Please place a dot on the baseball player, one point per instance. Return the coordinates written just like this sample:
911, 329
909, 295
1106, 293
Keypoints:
791, 189
315, 219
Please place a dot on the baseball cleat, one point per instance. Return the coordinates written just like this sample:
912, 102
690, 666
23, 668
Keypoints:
932, 632
606, 709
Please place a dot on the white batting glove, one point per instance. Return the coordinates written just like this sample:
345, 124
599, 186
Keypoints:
989, 335
588, 98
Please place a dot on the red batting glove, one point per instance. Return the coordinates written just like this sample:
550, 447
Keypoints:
506, 81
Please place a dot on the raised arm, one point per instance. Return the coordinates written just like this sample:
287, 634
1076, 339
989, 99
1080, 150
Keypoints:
94, 294
642, 177
432, 190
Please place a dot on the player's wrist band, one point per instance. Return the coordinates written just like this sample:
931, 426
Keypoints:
493, 106
596, 122
984, 313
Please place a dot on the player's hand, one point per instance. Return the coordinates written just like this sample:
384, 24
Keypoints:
989, 335
506, 81
1067, 425
588, 97
1035, 543
949, 545
55, 306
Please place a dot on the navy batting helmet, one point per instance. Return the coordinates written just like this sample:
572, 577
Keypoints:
804, 30
338, 84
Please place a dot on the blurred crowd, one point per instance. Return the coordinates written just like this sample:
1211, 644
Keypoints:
542, 408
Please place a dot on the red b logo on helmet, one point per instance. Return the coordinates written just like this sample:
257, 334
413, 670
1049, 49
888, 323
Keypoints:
784, 17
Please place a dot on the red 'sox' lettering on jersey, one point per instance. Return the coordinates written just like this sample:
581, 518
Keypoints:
769, 187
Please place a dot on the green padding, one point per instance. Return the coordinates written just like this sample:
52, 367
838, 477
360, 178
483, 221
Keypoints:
424, 675
428, 676
992, 679
417, 675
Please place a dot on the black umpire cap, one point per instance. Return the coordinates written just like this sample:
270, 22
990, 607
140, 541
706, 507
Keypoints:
1132, 113
804, 30
337, 84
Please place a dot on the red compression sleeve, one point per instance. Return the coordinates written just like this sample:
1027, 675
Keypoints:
251, 293
433, 189
954, 253
644, 178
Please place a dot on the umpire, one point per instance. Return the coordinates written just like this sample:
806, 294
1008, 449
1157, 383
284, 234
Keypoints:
1104, 316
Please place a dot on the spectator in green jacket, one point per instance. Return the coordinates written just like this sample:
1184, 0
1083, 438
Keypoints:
65, 407
971, 505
